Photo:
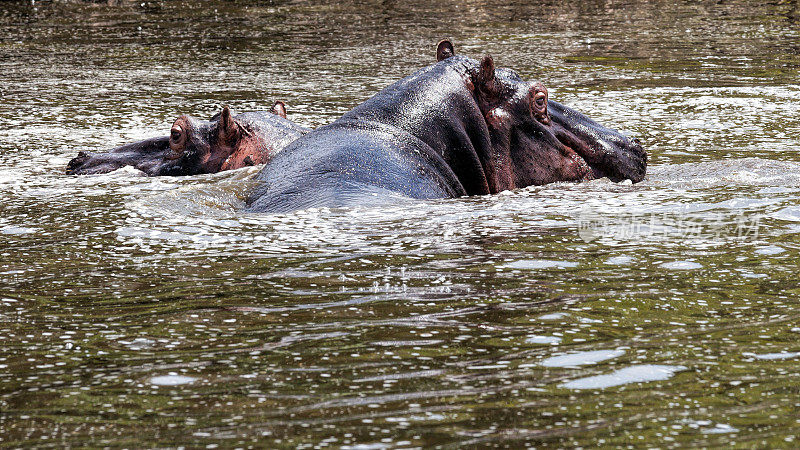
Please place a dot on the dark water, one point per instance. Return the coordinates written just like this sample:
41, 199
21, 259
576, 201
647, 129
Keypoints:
140, 312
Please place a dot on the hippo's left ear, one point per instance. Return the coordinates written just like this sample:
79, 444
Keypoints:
444, 50
229, 129
279, 108
485, 79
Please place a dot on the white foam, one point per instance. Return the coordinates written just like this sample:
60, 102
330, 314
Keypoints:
18, 230
774, 356
681, 265
582, 358
753, 275
535, 339
127, 171
633, 374
539, 264
139, 343
792, 214
172, 380
619, 260
554, 316
770, 250
720, 428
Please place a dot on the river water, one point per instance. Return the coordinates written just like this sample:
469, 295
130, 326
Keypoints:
153, 312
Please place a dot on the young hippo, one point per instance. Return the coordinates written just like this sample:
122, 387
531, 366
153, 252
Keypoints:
458, 127
196, 146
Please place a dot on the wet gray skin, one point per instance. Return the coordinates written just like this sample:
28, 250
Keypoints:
196, 146
458, 127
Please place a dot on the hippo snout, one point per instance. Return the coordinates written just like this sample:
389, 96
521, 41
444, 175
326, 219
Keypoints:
633, 160
75, 163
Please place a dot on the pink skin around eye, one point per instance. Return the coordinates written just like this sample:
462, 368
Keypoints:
175, 133
176, 140
539, 104
540, 101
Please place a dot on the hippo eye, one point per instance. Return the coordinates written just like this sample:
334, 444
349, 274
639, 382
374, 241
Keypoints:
175, 133
539, 102
176, 142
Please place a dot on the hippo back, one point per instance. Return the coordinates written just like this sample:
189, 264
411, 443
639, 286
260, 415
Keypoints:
351, 164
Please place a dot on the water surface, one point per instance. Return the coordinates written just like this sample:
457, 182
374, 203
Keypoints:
153, 312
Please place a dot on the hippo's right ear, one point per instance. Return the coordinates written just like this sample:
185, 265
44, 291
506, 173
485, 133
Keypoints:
444, 50
279, 108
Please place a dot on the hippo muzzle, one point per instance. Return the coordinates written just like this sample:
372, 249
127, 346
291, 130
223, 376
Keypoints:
146, 155
607, 152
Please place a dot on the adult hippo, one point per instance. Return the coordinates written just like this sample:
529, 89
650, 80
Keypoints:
197, 146
458, 127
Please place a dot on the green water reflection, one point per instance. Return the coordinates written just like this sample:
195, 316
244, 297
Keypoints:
152, 312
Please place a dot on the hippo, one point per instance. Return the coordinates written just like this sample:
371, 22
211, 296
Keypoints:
195, 146
456, 128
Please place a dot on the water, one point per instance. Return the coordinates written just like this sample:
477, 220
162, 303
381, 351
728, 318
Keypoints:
153, 312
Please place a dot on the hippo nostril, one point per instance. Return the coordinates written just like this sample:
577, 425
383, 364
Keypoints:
73, 165
633, 139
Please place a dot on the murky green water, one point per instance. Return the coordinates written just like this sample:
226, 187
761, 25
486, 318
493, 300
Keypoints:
141, 312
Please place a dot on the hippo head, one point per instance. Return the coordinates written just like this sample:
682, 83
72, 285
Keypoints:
535, 140
194, 146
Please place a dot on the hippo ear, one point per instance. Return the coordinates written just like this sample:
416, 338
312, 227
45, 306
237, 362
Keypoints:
444, 50
485, 78
486, 73
279, 108
229, 130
